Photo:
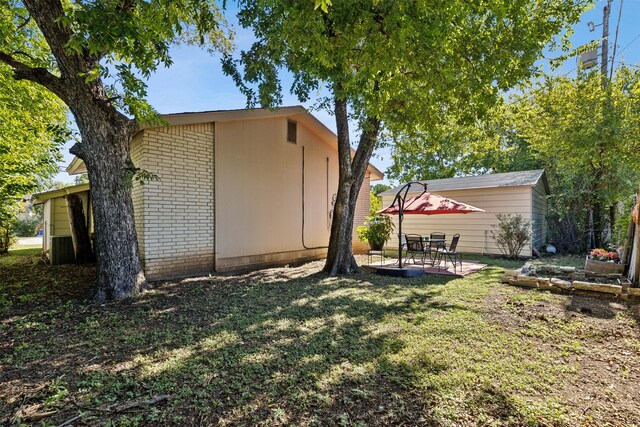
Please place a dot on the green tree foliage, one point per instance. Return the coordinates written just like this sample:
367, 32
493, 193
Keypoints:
455, 148
375, 203
379, 188
83, 178
32, 129
396, 65
587, 138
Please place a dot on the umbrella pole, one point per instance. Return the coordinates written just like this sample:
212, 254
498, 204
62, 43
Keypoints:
401, 197
400, 237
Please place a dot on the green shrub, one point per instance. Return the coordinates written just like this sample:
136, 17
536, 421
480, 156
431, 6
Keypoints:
376, 230
511, 233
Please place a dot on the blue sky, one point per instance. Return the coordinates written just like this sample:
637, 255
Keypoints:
195, 82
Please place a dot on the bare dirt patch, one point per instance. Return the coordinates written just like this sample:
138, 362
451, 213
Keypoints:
606, 349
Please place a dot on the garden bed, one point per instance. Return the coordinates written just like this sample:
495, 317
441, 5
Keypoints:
570, 279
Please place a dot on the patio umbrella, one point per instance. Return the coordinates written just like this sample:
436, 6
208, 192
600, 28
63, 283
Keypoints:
431, 204
424, 203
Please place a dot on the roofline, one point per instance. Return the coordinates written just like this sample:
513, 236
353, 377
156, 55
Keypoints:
52, 194
73, 167
543, 176
387, 193
297, 111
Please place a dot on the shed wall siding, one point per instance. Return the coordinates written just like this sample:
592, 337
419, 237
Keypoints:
539, 214
176, 230
47, 219
56, 218
474, 228
258, 192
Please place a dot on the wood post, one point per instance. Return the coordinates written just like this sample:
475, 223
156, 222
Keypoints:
79, 229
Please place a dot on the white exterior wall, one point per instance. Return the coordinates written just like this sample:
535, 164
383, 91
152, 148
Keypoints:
474, 228
47, 220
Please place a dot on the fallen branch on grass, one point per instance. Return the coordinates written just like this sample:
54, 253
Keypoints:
128, 407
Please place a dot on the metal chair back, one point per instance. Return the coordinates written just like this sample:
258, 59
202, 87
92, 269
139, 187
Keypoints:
454, 242
439, 240
414, 243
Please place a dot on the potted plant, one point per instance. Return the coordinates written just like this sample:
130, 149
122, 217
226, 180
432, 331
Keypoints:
375, 231
602, 261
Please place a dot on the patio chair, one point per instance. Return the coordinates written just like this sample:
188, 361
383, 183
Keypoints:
450, 253
415, 247
440, 244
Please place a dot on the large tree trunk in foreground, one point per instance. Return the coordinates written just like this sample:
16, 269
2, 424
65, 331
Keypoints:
106, 138
340, 258
79, 229
109, 167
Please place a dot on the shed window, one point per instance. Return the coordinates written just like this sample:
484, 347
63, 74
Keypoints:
292, 132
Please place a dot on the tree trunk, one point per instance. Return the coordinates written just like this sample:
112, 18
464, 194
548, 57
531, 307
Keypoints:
79, 229
340, 258
106, 155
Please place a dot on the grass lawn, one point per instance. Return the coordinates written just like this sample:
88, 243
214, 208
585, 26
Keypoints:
291, 346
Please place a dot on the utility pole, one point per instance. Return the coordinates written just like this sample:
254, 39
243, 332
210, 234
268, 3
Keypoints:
604, 61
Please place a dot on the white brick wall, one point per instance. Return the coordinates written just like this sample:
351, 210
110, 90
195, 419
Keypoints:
174, 216
363, 207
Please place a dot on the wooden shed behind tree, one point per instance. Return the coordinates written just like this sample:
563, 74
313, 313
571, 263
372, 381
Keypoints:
61, 244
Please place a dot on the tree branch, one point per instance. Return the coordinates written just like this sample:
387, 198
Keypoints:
40, 75
24, 23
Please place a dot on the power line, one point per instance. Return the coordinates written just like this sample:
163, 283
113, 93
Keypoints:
615, 42
630, 43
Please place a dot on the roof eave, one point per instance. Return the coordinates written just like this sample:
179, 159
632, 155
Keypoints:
40, 198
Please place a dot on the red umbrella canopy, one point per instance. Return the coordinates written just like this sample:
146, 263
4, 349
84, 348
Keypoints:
431, 204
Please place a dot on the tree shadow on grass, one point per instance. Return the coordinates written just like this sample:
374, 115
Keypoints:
269, 347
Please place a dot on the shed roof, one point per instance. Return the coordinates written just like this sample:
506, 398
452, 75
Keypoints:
52, 194
509, 179
296, 112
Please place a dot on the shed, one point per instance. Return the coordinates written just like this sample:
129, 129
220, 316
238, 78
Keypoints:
56, 238
523, 193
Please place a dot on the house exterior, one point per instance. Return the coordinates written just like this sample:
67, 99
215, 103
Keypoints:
238, 189
523, 193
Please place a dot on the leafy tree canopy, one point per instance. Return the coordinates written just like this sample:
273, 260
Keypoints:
405, 62
120, 41
32, 129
